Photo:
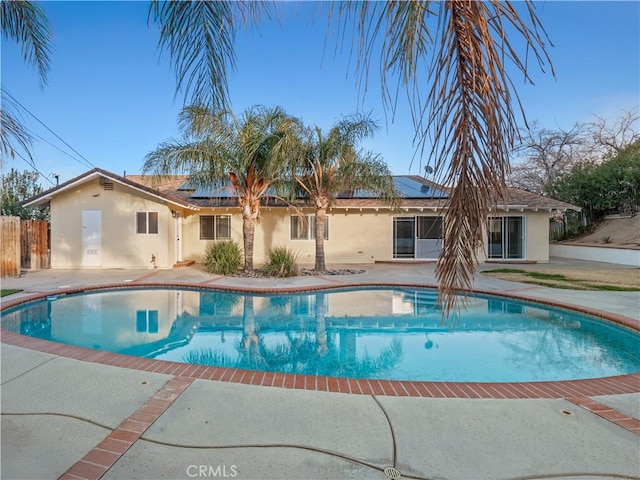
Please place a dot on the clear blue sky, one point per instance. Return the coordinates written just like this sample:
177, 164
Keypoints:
110, 93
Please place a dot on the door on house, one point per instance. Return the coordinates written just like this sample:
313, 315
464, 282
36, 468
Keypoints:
417, 237
428, 237
506, 237
92, 238
404, 237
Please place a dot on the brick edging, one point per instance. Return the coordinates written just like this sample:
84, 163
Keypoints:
548, 389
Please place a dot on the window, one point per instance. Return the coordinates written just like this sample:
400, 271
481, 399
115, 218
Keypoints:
430, 228
146, 222
147, 321
214, 227
304, 227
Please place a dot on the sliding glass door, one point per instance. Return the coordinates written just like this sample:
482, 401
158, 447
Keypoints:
506, 238
404, 237
417, 237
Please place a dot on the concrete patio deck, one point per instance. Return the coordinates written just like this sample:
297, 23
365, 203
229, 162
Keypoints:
68, 418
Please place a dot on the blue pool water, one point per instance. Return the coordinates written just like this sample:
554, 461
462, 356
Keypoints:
389, 333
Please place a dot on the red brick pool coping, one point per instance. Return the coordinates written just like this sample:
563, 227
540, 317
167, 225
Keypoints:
570, 389
103, 456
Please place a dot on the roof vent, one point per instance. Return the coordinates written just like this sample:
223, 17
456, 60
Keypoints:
106, 184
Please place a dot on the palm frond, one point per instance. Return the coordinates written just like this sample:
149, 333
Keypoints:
471, 97
200, 37
26, 23
13, 134
465, 118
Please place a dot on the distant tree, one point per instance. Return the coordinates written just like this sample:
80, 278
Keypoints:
611, 136
25, 23
330, 163
250, 150
17, 187
543, 155
610, 187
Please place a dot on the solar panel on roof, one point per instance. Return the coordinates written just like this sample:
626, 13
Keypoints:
224, 191
410, 188
187, 185
214, 192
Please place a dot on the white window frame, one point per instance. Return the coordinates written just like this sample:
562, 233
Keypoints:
308, 227
504, 242
146, 230
216, 219
147, 321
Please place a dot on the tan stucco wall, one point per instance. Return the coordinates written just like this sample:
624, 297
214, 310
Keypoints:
354, 236
121, 246
192, 247
537, 236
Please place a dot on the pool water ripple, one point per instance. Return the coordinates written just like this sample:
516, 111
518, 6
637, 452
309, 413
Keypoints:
375, 333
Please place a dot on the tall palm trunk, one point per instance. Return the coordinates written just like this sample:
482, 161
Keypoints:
320, 224
250, 339
249, 217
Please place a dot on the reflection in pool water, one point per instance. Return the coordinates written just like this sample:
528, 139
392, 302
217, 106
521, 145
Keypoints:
363, 333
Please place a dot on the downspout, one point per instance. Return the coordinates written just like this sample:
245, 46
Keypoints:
178, 229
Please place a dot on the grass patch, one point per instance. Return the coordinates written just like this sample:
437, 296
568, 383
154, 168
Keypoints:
555, 280
550, 276
10, 291
611, 288
505, 270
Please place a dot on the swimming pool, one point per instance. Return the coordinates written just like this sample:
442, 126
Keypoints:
383, 333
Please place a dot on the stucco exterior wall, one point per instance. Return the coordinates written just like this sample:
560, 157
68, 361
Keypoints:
121, 247
536, 236
354, 236
193, 247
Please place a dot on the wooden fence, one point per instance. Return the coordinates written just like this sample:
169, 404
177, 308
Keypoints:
34, 240
25, 244
10, 234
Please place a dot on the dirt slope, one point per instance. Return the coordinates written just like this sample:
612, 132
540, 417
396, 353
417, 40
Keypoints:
622, 232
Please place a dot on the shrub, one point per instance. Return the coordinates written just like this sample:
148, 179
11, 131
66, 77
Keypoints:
281, 262
222, 258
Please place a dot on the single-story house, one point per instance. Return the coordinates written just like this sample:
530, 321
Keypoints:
103, 220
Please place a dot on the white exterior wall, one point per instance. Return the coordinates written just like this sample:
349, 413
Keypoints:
597, 254
536, 236
121, 246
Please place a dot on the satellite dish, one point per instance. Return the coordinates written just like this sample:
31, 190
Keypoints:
427, 170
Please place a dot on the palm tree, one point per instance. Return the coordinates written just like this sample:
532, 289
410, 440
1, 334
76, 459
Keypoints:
200, 37
330, 164
463, 117
250, 149
26, 24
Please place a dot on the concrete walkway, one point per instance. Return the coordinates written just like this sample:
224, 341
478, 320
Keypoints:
67, 418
